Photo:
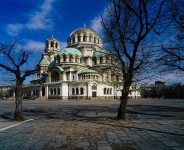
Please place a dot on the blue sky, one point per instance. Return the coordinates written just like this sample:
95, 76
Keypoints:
32, 22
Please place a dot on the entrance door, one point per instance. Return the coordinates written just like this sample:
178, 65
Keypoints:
93, 94
43, 91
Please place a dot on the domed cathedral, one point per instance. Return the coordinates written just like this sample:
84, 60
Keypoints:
82, 70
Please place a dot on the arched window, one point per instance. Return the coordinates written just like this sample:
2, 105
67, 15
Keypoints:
111, 91
52, 44
51, 91
84, 38
56, 45
64, 58
43, 91
94, 87
94, 39
58, 59
70, 58
89, 38
77, 91
104, 90
54, 76
58, 91
54, 91
73, 39
108, 91
117, 78
76, 59
79, 39
47, 44
73, 91
101, 60
81, 91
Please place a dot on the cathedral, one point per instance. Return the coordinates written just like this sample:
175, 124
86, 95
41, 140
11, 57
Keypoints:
82, 70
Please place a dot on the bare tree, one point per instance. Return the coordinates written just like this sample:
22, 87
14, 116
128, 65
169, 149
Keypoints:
172, 56
129, 27
15, 62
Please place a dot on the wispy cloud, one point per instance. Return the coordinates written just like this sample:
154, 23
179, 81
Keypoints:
41, 19
38, 45
38, 20
33, 45
14, 29
96, 24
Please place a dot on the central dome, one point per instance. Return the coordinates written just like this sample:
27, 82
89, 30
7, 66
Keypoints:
85, 30
84, 36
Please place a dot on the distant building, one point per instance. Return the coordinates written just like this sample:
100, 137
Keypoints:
6, 91
82, 70
153, 90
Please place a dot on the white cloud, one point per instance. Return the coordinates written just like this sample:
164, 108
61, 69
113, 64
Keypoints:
38, 45
38, 20
96, 24
41, 19
14, 29
34, 45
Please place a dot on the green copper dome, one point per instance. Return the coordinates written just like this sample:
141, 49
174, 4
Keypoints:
72, 51
44, 62
88, 71
102, 52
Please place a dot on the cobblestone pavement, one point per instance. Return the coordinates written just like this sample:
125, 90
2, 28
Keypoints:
96, 130
107, 134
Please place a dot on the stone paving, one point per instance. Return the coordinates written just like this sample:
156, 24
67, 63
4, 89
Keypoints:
107, 134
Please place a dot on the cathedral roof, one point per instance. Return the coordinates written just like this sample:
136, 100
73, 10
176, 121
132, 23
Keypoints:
88, 71
60, 68
72, 51
102, 52
84, 30
44, 62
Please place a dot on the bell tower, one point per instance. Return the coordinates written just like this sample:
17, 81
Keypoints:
52, 47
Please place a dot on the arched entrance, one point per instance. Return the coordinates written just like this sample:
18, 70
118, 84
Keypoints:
43, 91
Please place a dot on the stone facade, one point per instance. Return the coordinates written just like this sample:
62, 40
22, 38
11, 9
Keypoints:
82, 70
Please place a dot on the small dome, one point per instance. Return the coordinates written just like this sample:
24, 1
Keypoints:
72, 51
44, 62
52, 39
102, 52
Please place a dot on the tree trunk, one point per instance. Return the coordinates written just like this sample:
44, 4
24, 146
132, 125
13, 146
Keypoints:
124, 99
18, 102
123, 104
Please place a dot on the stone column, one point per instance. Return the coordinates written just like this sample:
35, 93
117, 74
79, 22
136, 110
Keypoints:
40, 92
46, 91
67, 58
31, 92
76, 38
87, 37
60, 91
81, 37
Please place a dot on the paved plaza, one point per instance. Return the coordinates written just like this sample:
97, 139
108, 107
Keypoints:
92, 125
